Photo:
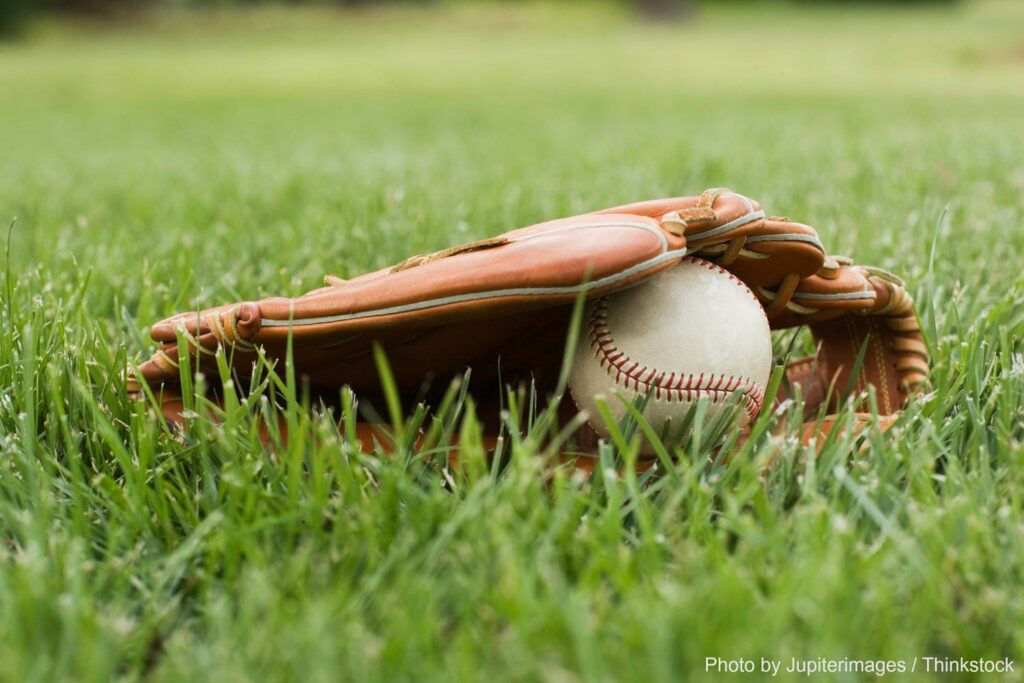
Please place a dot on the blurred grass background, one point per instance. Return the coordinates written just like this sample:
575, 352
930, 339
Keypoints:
182, 157
231, 131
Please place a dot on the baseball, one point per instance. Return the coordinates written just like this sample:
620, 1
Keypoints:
694, 332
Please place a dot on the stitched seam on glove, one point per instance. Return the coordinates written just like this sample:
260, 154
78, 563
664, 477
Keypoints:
476, 296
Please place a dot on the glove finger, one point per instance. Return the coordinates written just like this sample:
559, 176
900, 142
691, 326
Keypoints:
859, 308
766, 253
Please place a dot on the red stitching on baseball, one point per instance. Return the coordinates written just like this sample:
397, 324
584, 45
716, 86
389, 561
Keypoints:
675, 386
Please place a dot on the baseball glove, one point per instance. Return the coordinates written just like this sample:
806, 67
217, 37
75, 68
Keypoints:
502, 307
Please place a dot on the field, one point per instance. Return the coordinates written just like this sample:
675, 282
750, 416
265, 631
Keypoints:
186, 160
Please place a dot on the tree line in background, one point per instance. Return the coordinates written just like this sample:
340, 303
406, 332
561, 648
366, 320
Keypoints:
14, 13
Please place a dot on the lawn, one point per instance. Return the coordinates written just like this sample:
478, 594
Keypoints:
185, 160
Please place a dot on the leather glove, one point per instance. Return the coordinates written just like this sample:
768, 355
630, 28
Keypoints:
502, 306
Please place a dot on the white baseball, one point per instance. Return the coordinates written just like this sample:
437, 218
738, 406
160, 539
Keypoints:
689, 333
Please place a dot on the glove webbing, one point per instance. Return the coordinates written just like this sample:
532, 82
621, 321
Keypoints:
897, 313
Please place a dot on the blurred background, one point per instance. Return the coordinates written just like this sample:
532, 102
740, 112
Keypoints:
151, 140
13, 13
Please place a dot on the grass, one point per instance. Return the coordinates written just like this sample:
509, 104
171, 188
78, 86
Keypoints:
195, 159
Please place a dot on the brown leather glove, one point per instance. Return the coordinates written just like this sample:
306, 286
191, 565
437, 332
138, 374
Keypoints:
502, 306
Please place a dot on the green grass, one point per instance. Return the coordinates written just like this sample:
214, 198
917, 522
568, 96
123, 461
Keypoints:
193, 160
